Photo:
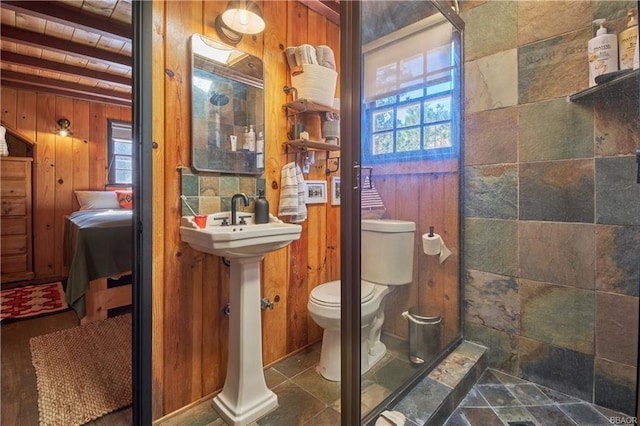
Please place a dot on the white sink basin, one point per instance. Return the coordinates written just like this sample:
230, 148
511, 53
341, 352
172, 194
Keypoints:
238, 241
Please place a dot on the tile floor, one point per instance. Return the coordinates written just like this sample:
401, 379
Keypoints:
458, 392
305, 398
500, 399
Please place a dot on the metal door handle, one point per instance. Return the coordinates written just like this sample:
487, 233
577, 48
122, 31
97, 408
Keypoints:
638, 161
357, 168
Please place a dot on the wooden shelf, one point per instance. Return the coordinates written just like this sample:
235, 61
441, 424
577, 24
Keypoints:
305, 105
627, 83
303, 145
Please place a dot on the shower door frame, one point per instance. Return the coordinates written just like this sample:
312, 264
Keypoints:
350, 108
351, 77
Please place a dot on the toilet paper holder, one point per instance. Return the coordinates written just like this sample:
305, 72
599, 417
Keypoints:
433, 245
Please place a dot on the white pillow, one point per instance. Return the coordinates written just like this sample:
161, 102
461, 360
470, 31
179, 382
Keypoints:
97, 200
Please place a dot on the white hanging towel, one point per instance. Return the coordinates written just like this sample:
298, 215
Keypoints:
292, 193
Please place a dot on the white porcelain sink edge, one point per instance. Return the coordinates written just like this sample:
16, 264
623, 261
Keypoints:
238, 240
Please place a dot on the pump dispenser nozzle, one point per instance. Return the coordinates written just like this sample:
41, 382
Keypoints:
602, 29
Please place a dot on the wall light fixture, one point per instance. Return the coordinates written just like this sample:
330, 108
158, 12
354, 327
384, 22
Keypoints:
63, 128
240, 17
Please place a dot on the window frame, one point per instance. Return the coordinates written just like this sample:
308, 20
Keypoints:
111, 155
369, 109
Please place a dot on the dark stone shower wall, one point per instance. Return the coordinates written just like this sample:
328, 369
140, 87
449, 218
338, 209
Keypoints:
552, 210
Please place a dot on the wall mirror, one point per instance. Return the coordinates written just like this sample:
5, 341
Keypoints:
227, 108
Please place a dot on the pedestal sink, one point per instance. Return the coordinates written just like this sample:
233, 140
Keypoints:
245, 396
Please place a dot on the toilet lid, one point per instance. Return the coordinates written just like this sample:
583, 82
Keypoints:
328, 294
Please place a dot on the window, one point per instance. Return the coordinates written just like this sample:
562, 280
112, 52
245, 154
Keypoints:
120, 151
409, 95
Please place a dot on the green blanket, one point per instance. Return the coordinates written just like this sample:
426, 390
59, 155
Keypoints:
98, 244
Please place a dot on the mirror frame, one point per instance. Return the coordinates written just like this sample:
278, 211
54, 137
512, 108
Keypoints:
219, 116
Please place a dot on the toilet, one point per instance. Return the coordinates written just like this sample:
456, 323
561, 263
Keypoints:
387, 260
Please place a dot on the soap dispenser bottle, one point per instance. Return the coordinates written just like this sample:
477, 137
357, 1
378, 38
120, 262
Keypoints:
252, 138
602, 53
245, 139
260, 151
627, 40
261, 208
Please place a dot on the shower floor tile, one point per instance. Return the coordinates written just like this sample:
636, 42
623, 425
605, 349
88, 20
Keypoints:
500, 399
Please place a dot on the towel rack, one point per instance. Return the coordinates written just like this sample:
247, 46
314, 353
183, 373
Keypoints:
298, 147
371, 204
370, 169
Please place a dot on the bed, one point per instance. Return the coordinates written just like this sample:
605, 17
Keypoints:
98, 245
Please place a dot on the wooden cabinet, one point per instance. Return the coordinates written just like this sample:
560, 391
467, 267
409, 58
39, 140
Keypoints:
16, 261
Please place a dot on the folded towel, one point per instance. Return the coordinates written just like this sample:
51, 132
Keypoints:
306, 54
292, 193
290, 54
326, 58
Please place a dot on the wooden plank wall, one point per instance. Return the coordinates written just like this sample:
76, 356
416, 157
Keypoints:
427, 199
61, 165
191, 289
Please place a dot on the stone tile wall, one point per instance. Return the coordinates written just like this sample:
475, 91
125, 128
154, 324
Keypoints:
211, 192
552, 210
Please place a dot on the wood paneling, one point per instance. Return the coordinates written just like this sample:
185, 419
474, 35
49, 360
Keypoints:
190, 288
194, 286
275, 271
60, 165
428, 199
158, 194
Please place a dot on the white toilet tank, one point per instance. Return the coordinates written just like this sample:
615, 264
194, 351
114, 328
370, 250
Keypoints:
387, 251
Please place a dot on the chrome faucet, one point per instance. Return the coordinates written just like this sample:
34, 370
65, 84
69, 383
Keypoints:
233, 205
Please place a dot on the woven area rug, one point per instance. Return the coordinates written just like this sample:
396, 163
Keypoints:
83, 373
32, 301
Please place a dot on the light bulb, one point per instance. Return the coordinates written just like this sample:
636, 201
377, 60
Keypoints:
244, 17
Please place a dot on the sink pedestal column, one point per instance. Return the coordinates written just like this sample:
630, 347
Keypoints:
245, 396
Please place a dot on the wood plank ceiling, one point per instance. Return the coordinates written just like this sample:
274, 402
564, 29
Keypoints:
78, 48
75, 48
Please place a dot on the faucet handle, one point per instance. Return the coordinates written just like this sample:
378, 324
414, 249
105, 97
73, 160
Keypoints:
242, 219
224, 219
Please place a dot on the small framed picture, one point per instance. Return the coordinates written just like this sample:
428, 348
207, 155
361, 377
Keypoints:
335, 191
315, 191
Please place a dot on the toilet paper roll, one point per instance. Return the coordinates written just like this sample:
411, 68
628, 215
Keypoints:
433, 245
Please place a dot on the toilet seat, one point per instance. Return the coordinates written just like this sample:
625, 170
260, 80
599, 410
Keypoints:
328, 294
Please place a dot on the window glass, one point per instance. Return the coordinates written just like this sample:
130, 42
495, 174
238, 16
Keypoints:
408, 95
408, 140
383, 143
408, 115
383, 120
437, 110
120, 147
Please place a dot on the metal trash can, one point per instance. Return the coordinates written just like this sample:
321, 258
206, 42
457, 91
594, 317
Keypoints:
424, 335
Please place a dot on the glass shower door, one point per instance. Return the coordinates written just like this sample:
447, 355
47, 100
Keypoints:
401, 99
